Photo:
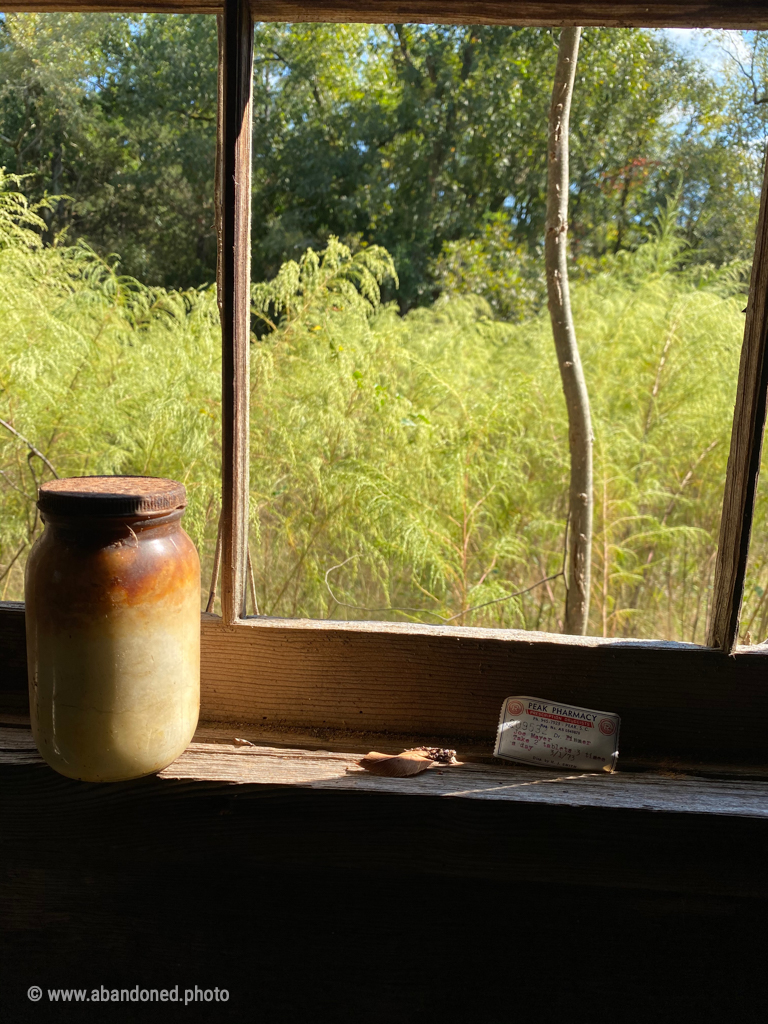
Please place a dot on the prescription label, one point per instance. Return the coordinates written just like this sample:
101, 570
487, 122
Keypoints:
553, 735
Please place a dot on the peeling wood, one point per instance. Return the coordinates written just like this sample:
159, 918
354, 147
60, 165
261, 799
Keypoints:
644, 13
235, 86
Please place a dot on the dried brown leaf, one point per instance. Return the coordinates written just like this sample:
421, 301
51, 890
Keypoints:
395, 766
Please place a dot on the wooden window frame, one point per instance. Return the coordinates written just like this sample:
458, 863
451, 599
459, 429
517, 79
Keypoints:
679, 702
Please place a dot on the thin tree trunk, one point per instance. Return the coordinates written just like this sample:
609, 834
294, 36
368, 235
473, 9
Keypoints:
574, 387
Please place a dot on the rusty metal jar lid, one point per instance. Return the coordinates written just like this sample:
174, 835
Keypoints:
110, 496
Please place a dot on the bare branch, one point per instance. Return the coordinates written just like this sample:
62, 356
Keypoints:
33, 450
748, 75
12, 562
10, 483
457, 615
215, 572
360, 608
507, 597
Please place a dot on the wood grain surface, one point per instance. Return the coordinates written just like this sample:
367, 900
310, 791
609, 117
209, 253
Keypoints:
653, 13
675, 792
117, 6
445, 685
206, 761
294, 807
314, 894
676, 701
235, 86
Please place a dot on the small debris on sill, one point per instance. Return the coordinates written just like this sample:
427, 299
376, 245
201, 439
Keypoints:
238, 742
410, 762
440, 754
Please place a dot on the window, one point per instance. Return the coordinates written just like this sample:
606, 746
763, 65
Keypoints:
411, 463
446, 680
102, 367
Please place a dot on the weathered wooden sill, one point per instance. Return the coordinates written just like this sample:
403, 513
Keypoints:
341, 682
298, 809
214, 757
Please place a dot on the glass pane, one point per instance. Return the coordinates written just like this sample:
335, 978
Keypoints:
109, 363
752, 53
409, 436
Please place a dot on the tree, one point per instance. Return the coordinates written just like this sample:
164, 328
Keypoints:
54, 132
415, 137
157, 210
117, 114
580, 499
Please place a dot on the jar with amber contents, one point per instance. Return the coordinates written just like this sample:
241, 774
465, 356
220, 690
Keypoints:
113, 627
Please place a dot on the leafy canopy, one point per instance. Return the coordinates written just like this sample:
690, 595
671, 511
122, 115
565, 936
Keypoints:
411, 137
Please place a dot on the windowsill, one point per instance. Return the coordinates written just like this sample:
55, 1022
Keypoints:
653, 829
410, 629
211, 758
341, 683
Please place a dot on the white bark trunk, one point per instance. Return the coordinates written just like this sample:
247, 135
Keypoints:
580, 500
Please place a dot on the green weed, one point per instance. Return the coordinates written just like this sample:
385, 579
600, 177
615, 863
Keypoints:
410, 468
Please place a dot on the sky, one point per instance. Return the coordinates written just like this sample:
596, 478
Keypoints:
704, 44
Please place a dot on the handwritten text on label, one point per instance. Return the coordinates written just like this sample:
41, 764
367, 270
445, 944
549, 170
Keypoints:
554, 735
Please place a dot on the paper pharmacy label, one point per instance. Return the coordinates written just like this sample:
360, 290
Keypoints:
544, 732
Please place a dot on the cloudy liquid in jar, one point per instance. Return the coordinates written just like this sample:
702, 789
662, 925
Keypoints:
113, 641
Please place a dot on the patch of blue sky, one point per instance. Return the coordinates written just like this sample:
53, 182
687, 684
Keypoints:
711, 48
706, 47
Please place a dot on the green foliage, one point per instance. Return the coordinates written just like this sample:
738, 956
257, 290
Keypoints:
403, 466
102, 375
416, 467
414, 137
418, 463
116, 114
408, 467
335, 277
507, 275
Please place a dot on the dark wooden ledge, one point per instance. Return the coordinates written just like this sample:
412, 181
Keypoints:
312, 891
310, 810
211, 759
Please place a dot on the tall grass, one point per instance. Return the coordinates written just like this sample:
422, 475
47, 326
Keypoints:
408, 468
416, 468
102, 375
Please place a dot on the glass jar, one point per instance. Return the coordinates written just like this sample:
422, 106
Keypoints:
113, 627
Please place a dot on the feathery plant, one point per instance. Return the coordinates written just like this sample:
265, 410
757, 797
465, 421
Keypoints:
302, 289
100, 375
402, 467
416, 467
